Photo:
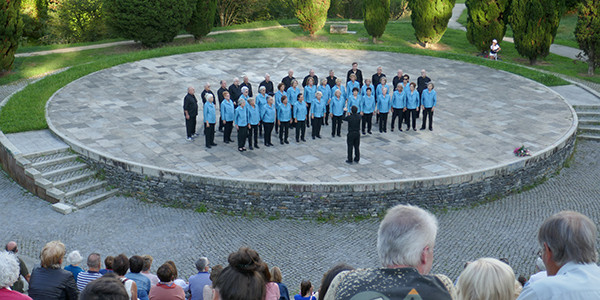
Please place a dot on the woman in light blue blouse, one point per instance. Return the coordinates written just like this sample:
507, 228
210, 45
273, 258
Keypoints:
367, 107
300, 114
428, 102
336, 106
325, 89
317, 112
241, 124
350, 85
367, 84
268, 119
353, 100
310, 92
261, 101
398, 100
210, 118
227, 115
384, 104
292, 92
338, 86
284, 119
412, 106
254, 121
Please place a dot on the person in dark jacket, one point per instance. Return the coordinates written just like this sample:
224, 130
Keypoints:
311, 74
353, 137
50, 282
247, 84
356, 72
190, 111
235, 91
268, 84
287, 80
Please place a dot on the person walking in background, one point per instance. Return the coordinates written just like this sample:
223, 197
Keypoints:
353, 137
190, 111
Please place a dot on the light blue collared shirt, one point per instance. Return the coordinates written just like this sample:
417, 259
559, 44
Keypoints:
573, 281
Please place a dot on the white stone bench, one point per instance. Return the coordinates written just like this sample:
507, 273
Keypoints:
341, 29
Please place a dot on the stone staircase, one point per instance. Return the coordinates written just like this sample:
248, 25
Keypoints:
68, 179
589, 121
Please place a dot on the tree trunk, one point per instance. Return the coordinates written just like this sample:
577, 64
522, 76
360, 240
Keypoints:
591, 68
532, 61
591, 61
374, 40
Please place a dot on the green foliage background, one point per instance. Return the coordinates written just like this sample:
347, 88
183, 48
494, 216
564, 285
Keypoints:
486, 20
312, 14
587, 32
11, 29
203, 18
377, 14
430, 19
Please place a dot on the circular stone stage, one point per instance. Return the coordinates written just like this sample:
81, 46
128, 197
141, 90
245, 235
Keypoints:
128, 119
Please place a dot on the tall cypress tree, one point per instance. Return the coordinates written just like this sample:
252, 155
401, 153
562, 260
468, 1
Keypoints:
486, 20
430, 19
534, 24
587, 32
11, 29
203, 17
377, 14
312, 14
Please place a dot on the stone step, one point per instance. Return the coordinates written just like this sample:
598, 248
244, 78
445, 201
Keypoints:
40, 156
589, 120
62, 169
588, 114
589, 129
82, 187
587, 108
589, 136
59, 159
74, 177
93, 197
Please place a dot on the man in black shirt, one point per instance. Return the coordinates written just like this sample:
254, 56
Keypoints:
287, 80
331, 79
353, 137
356, 72
235, 91
268, 84
222, 89
190, 111
376, 78
398, 79
247, 84
422, 82
311, 74
206, 91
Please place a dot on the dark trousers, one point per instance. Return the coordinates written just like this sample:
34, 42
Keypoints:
209, 134
383, 122
300, 130
414, 114
353, 140
260, 128
276, 127
284, 129
316, 128
242, 134
336, 125
326, 115
221, 125
190, 126
268, 130
253, 133
367, 119
427, 112
398, 113
227, 134
308, 115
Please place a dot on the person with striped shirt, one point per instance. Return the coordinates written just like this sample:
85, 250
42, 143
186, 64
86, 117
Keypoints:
93, 272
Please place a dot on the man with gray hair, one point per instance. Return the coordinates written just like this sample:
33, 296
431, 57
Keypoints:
19, 285
9, 274
405, 242
568, 241
198, 281
93, 272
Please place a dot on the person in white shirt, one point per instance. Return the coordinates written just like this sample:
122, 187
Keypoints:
494, 49
568, 241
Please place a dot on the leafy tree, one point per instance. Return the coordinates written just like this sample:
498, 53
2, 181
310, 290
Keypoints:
398, 8
486, 20
150, 22
11, 29
346, 9
534, 24
587, 32
79, 20
312, 14
203, 18
377, 14
430, 19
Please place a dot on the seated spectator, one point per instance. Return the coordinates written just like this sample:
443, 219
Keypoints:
9, 274
306, 291
329, 276
136, 264
19, 285
488, 278
178, 281
568, 241
107, 287
50, 281
405, 242
74, 259
540, 272
284, 294
166, 288
120, 267
271, 287
93, 272
198, 281
146, 270
208, 291
108, 265
242, 279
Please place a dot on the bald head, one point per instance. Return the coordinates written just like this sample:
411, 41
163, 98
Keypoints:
12, 247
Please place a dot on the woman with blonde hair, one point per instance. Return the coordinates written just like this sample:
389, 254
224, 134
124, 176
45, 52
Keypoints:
488, 279
50, 281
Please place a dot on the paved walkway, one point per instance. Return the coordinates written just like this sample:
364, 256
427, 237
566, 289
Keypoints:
133, 112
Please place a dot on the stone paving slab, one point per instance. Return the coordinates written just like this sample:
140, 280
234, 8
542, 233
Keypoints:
36, 141
134, 112
576, 95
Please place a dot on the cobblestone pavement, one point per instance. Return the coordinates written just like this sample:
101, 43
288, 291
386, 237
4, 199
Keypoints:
133, 112
303, 249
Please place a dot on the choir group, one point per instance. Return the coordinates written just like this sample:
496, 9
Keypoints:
313, 104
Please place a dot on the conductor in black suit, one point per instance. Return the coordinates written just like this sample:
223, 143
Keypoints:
353, 137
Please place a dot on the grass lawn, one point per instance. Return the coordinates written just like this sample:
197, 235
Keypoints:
26, 110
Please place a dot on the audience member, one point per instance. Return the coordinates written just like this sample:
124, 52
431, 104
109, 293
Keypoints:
107, 287
208, 291
489, 279
568, 241
271, 287
146, 270
284, 294
540, 271
136, 264
329, 276
306, 291
9, 274
120, 267
50, 281
198, 281
84, 278
166, 288
242, 279
178, 281
19, 285
74, 259
108, 262
405, 242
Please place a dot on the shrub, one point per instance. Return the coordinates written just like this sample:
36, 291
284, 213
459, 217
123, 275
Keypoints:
398, 8
430, 19
35, 15
151, 22
534, 24
587, 32
486, 20
78, 21
346, 9
377, 14
312, 14
203, 18
10, 32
